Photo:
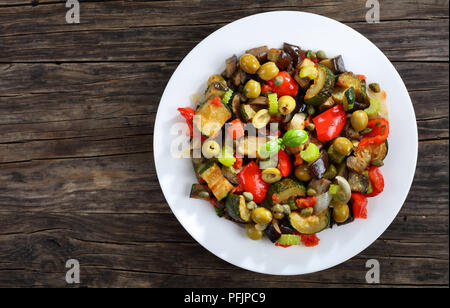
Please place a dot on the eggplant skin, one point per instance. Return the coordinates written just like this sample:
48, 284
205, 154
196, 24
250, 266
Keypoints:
320, 185
358, 182
273, 232
320, 166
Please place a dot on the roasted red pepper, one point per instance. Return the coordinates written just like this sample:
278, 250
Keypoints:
284, 163
188, 114
379, 133
298, 160
236, 129
251, 181
310, 240
330, 123
306, 202
359, 206
288, 87
239, 162
376, 180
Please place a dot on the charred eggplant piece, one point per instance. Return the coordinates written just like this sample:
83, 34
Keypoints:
321, 186
259, 52
320, 166
239, 77
342, 170
358, 182
236, 104
285, 226
336, 65
273, 232
259, 101
294, 52
231, 66
281, 58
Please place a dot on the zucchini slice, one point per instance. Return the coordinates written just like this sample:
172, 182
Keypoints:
347, 80
215, 89
247, 112
210, 118
321, 90
285, 189
311, 224
237, 208
218, 184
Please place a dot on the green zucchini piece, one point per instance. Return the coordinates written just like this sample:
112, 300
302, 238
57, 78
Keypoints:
348, 80
210, 118
237, 208
215, 89
247, 112
311, 224
218, 184
322, 88
285, 189
350, 96
199, 191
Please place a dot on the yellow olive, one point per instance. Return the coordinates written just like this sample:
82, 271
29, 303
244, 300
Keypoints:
302, 173
262, 216
343, 146
271, 175
278, 215
286, 104
252, 89
341, 212
268, 71
216, 78
252, 232
359, 120
249, 63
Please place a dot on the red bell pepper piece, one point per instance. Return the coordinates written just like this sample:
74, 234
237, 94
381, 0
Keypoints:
379, 133
359, 205
284, 163
310, 240
330, 123
238, 163
251, 181
298, 160
377, 181
188, 114
236, 129
216, 101
306, 202
288, 87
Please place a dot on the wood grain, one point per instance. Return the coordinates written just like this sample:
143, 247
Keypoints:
77, 110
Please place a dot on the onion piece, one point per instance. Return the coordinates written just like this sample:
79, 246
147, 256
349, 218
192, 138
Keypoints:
345, 186
322, 203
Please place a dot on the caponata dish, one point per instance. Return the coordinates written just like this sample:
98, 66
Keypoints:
289, 143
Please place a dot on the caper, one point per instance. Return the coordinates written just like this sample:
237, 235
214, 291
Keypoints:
262, 216
210, 149
252, 89
278, 216
377, 163
203, 194
268, 71
321, 55
252, 232
286, 104
248, 196
277, 208
375, 87
278, 81
341, 212
249, 63
306, 212
251, 205
343, 146
311, 192
310, 127
310, 110
302, 173
359, 120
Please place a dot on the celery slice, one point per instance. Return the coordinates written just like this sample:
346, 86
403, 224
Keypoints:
289, 239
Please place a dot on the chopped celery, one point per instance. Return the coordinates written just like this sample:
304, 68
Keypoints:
273, 103
227, 96
289, 239
311, 153
310, 72
333, 189
374, 107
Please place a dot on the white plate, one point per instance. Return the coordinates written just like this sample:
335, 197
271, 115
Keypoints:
226, 239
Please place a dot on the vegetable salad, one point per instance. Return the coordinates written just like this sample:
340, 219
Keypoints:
315, 159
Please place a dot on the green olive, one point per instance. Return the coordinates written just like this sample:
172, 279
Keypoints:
271, 175
249, 63
278, 215
375, 87
252, 232
359, 120
307, 212
262, 216
216, 78
341, 212
302, 173
321, 55
286, 104
268, 71
343, 146
252, 89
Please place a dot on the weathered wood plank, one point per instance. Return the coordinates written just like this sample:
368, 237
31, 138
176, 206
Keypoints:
149, 31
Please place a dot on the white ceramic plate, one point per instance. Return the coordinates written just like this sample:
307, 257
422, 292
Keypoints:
226, 239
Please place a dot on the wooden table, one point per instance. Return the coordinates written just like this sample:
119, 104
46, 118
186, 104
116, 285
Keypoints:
77, 177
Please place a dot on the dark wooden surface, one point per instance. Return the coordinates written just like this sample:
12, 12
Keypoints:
77, 177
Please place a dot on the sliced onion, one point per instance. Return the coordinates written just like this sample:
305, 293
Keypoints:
322, 203
345, 186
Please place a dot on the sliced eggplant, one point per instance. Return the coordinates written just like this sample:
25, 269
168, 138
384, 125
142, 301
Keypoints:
336, 65
285, 226
320, 166
236, 105
294, 51
259, 101
239, 77
231, 66
358, 182
273, 231
281, 58
259, 52
231, 174
320, 185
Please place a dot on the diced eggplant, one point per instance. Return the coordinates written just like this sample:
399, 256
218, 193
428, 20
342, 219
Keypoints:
281, 58
231, 66
336, 65
259, 52
321, 186
327, 105
230, 174
285, 226
273, 231
360, 160
350, 132
320, 166
358, 182
259, 101
294, 52
239, 77
236, 104
342, 170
